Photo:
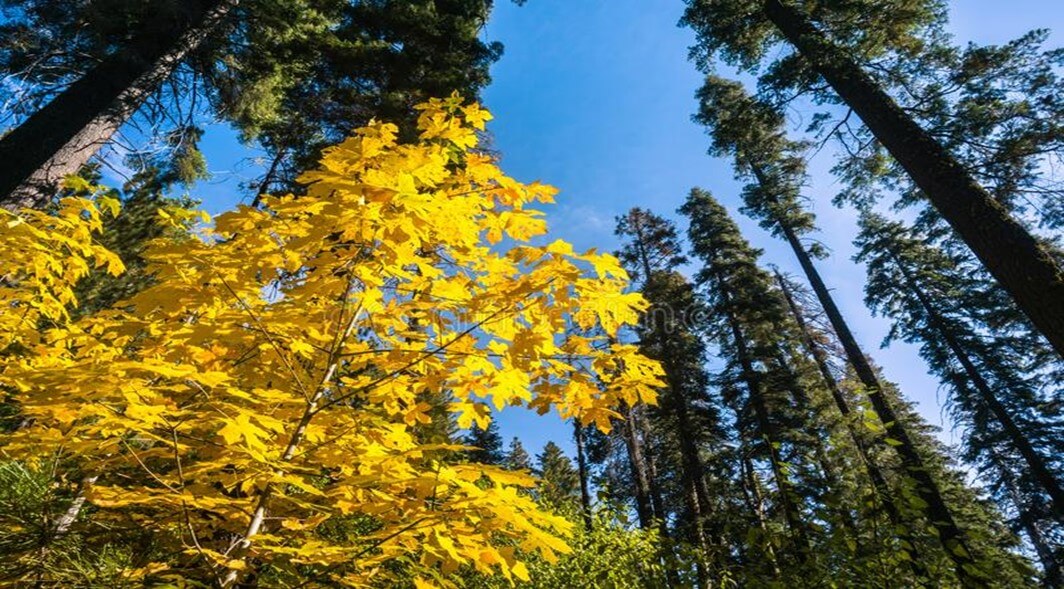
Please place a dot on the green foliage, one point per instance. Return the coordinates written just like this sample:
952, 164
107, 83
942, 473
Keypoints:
517, 457
559, 482
33, 548
292, 76
610, 556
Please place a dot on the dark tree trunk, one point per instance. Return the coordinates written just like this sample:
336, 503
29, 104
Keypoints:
1053, 579
1035, 461
755, 501
937, 512
61, 137
657, 500
581, 465
697, 537
639, 470
1012, 255
752, 379
694, 470
698, 500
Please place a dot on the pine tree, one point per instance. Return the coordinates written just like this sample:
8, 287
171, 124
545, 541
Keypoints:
926, 296
752, 132
516, 456
652, 252
997, 108
583, 470
488, 444
741, 301
291, 76
814, 344
59, 139
559, 483
824, 40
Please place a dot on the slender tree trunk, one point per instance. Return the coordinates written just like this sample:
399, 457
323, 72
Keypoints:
268, 179
697, 536
1046, 555
1012, 255
801, 399
936, 510
1034, 460
755, 501
657, 501
879, 482
581, 464
698, 500
61, 137
639, 470
63, 525
694, 470
768, 429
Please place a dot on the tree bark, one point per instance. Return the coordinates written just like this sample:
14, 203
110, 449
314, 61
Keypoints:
657, 501
1035, 461
1025, 269
61, 137
937, 512
755, 501
639, 471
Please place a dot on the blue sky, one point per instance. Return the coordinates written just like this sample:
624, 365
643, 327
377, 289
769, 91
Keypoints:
595, 97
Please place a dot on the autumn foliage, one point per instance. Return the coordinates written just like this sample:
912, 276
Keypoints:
257, 408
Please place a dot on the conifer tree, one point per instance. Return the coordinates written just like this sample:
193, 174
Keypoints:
59, 139
559, 483
651, 252
488, 444
997, 108
817, 344
751, 314
583, 470
291, 76
752, 132
924, 293
827, 42
517, 457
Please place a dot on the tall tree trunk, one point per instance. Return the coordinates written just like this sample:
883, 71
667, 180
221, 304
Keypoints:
1051, 568
581, 465
1035, 461
755, 501
937, 512
879, 482
753, 383
1013, 256
697, 536
800, 397
694, 475
657, 500
694, 469
639, 470
61, 137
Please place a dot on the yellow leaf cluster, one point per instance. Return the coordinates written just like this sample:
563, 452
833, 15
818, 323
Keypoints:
45, 254
260, 402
